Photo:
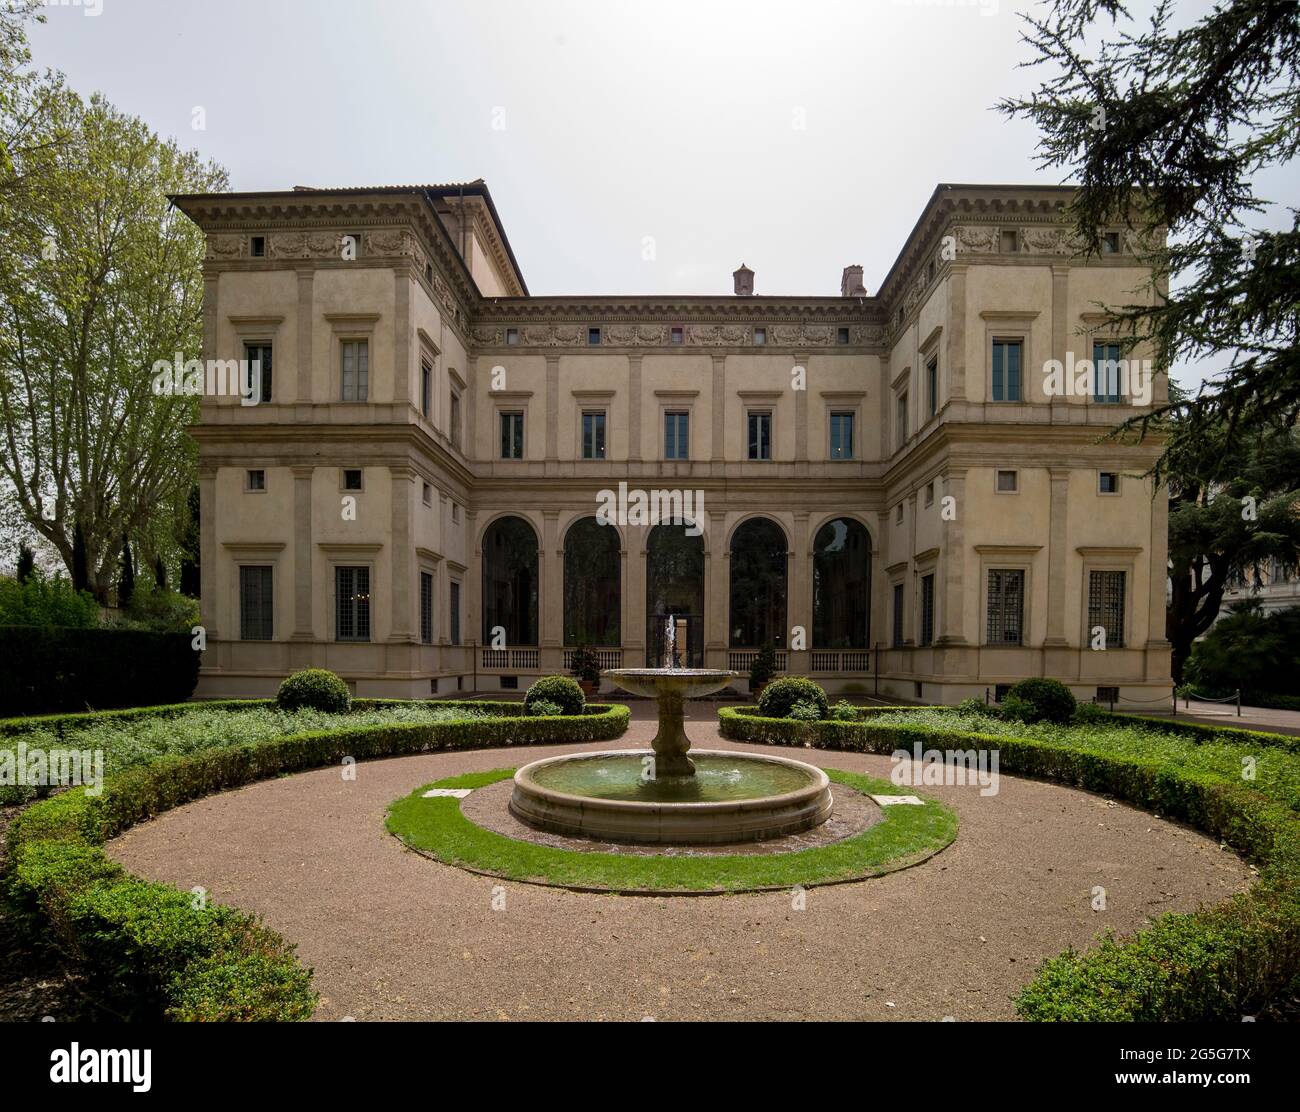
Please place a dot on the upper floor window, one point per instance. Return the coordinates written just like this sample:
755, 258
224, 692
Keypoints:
927, 609
841, 335
512, 435
932, 385
352, 478
256, 480
512, 336
1006, 606
453, 419
593, 336
1105, 370
426, 387
760, 336
426, 607
256, 603
1107, 482
593, 434
453, 614
1006, 370
676, 334
257, 247
900, 417
898, 616
1008, 482
1009, 242
352, 603
259, 370
1106, 606
1110, 243
760, 435
841, 436
677, 436
356, 370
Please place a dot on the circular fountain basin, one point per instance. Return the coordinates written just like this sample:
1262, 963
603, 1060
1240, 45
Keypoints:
689, 683
732, 797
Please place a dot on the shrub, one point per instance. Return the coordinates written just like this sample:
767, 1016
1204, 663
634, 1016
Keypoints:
974, 705
762, 668
563, 691
844, 711
160, 609
315, 688
42, 600
781, 695
585, 665
1090, 714
1248, 649
1015, 709
49, 669
1051, 700
804, 710
544, 708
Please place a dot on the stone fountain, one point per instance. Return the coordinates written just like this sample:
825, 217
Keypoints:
662, 796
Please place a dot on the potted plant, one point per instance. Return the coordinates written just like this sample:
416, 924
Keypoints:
585, 668
761, 670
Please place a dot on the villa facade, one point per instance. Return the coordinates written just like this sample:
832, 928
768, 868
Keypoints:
446, 484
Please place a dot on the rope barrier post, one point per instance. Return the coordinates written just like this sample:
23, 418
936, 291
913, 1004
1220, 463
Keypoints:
1175, 702
1239, 702
1113, 692
986, 696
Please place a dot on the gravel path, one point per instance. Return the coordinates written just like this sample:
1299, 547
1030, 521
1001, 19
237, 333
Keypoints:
393, 935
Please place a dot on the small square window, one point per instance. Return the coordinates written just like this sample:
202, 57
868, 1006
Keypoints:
1107, 695
929, 494
509, 683
351, 478
257, 480
677, 334
428, 273
427, 494
898, 514
350, 245
760, 336
455, 512
1008, 482
593, 337
257, 247
1009, 241
842, 336
512, 336
1107, 482
1110, 243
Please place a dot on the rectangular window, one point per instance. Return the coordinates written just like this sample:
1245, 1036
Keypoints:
257, 480
900, 408
760, 435
1006, 606
426, 388
927, 609
593, 336
929, 494
932, 385
257, 247
426, 494
512, 337
426, 608
453, 614
1110, 243
676, 334
1006, 370
259, 357
454, 420
898, 615
1106, 606
1008, 482
352, 600
356, 370
1009, 242
352, 478
593, 434
677, 436
1105, 370
255, 603
842, 336
760, 336
1108, 482
512, 435
841, 436
455, 513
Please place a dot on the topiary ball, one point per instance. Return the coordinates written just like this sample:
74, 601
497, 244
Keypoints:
1051, 700
315, 688
563, 691
780, 696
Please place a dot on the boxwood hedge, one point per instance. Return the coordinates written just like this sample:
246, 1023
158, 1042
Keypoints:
1221, 963
148, 951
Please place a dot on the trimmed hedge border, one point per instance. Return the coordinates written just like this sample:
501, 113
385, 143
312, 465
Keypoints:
148, 952
1219, 963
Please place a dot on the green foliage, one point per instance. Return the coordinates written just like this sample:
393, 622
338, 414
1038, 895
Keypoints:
1049, 700
1249, 650
1219, 963
562, 691
975, 705
159, 609
1090, 714
781, 695
42, 600
53, 668
805, 710
585, 664
543, 708
844, 711
315, 688
762, 668
26, 566
148, 951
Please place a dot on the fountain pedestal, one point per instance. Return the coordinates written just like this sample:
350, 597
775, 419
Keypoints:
671, 743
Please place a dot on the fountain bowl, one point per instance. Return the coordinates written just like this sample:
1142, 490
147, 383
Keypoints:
688, 683
730, 798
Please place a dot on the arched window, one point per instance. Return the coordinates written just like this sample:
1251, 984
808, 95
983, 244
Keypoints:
842, 586
758, 584
510, 581
592, 590
674, 585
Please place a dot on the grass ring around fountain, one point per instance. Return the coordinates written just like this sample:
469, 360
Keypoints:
437, 828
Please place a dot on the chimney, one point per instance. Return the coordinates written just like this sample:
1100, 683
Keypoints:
851, 283
744, 278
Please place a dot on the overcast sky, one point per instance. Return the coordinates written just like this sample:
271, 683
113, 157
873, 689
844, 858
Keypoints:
794, 137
